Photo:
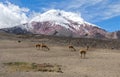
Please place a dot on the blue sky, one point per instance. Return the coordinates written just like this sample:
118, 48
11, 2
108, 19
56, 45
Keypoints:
104, 13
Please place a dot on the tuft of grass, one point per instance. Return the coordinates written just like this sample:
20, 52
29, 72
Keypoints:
23, 66
15, 63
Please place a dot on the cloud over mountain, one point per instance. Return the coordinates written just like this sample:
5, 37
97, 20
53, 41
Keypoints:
16, 12
11, 15
91, 10
61, 23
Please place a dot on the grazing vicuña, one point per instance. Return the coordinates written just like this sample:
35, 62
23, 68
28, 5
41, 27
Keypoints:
44, 46
72, 47
38, 45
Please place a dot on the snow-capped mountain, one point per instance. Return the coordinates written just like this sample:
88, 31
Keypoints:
60, 18
61, 23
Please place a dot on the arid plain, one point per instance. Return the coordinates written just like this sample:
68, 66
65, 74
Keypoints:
98, 62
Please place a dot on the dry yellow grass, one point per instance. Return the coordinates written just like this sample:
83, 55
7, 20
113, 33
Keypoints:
34, 67
98, 62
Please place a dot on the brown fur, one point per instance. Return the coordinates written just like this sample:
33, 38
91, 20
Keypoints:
38, 45
83, 53
71, 47
44, 46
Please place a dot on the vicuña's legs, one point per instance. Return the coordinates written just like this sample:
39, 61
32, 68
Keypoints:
83, 53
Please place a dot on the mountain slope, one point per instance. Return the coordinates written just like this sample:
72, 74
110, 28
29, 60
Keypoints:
16, 30
115, 35
61, 23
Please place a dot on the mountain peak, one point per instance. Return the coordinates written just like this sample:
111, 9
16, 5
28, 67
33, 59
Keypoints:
59, 16
62, 23
53, 11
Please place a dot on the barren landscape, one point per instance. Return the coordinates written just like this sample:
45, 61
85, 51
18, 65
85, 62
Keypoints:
99, 62
59, 38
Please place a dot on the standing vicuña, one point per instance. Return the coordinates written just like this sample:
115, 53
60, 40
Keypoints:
83, 53
71, 47
38, 46
44, 46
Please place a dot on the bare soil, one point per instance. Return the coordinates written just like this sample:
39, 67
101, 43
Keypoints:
98, 62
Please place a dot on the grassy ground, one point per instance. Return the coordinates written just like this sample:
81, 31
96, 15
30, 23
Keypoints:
34, 67
98, 62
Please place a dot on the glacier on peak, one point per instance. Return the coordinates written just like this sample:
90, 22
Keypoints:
58, 16
62, 18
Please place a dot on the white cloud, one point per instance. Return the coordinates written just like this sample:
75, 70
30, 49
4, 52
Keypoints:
112, 11
82, 3
93, 10
103, 10
12, 15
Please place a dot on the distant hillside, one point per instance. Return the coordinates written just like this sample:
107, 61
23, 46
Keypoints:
65, 41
